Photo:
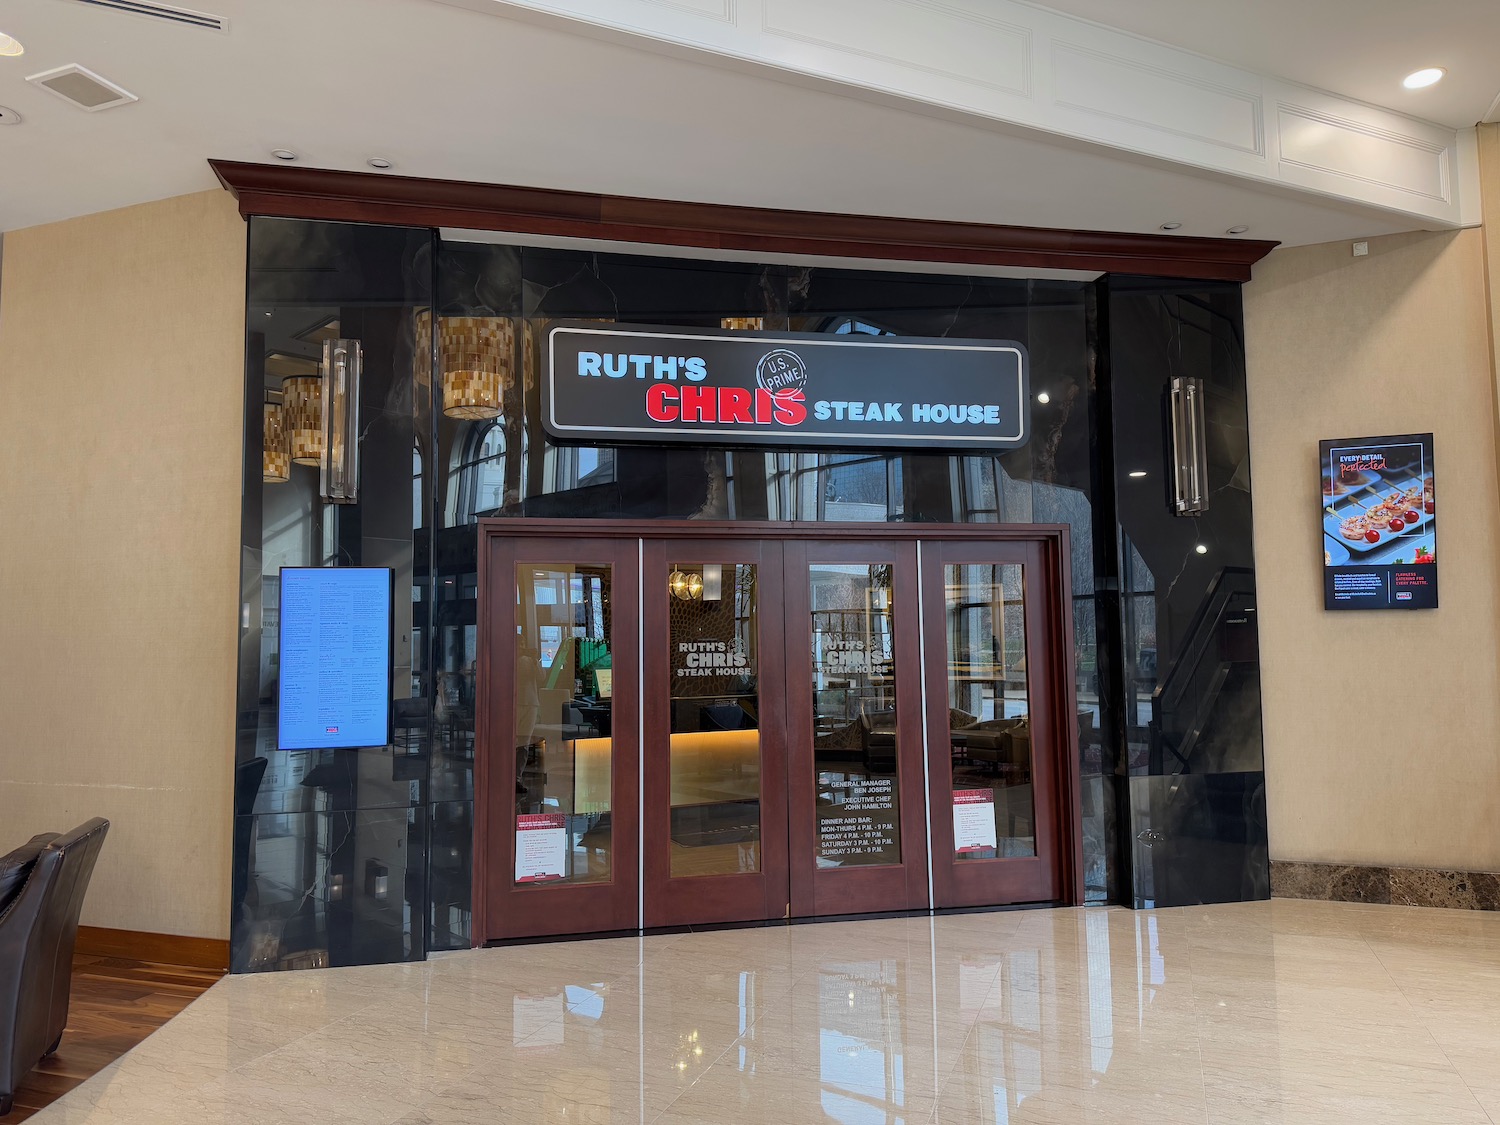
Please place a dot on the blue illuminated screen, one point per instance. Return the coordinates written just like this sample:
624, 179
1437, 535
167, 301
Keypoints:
335, 664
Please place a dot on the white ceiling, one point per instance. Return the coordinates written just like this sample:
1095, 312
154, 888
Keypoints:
1359, 48
449, 93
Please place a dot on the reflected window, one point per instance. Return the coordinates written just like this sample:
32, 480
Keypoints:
578, 466
476, 483
838, 488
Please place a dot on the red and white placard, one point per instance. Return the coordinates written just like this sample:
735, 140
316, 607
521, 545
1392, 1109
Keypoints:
541, 847
973, 821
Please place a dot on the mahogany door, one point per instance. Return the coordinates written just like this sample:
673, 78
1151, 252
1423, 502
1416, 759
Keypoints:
996, 702
715, 793
559, 736
858, 828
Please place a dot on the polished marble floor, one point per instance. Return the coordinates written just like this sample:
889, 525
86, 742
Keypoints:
1282, 1011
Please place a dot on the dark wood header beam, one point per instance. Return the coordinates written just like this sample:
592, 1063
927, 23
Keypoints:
364, 197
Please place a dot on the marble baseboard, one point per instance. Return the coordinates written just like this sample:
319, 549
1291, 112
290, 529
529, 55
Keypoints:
1401, 886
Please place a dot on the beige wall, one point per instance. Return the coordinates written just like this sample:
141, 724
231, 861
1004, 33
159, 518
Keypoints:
121, 374
1382, 729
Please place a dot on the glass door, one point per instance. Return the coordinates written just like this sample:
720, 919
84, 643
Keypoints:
853, 672
559, 732
715, 732
992, 614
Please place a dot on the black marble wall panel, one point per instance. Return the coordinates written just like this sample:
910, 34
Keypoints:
308, 826
1190, 670
330, 847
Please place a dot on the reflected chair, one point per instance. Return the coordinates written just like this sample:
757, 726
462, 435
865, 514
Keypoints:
42, 885
878, 737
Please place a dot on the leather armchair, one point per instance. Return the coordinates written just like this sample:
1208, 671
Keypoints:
48, 878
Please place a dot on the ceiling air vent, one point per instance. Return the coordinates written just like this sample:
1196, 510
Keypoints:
163, 12
83, 88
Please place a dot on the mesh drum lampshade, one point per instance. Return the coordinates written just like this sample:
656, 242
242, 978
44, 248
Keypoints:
743, 323
275, 458
475, 356
302, 413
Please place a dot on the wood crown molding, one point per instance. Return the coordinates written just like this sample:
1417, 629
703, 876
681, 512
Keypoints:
365, 197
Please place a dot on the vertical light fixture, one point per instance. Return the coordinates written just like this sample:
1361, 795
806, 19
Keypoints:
1189, 447
343, 364
275, 457
713, 582
476, 360
302, 417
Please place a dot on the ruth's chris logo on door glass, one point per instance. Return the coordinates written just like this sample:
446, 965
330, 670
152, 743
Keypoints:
619, 385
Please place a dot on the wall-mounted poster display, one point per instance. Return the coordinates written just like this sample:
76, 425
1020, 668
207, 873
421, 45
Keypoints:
1379, 523
335, 666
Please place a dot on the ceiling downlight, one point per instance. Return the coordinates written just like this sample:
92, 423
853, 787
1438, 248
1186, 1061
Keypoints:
162, 12
82, 87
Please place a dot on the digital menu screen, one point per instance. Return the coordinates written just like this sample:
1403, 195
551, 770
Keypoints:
1379, 523
335, 664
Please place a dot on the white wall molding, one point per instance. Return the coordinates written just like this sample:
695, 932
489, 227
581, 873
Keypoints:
1010, 62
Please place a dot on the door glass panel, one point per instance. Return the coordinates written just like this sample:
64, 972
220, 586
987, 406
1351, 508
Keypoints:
988, 712
563, 747
715, 746
854, 715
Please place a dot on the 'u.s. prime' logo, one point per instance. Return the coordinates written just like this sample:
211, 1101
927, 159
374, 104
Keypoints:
781, 370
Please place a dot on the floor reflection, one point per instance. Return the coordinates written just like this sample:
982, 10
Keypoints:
1283, 1011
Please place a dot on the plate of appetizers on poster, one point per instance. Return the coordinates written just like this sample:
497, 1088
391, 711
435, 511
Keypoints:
1386, 519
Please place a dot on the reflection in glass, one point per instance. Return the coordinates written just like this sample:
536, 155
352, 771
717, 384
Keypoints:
854, 714
714, 661
564, 752
989, 714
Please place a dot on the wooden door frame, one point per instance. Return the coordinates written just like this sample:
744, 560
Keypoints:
1060, 665
849, 890
966, 884
729, 897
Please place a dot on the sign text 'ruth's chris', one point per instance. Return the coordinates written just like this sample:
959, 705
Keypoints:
619, 384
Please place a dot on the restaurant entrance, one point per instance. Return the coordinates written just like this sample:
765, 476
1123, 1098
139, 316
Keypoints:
700, 723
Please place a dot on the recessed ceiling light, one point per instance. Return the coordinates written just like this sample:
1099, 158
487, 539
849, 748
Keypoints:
1427, 76
1170, 226
1201, 549
10, 46
9, 116
283, 154
1139, 473
1236, 230
378, 162
1043, 397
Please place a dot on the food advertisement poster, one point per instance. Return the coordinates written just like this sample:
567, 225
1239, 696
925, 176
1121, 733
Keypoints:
1379, 523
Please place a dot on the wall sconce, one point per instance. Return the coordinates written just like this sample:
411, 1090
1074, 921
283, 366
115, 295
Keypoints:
1189, 447
302, 417
377, 880
685, 585
343, 365
476, 354
275, 456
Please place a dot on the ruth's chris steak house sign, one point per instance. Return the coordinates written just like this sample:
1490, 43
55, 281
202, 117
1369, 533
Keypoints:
624, 384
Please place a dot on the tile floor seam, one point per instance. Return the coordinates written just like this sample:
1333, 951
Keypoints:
1427, 1027
717, 1059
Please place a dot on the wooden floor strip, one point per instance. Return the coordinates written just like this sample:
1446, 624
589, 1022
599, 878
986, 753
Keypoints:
116, 1002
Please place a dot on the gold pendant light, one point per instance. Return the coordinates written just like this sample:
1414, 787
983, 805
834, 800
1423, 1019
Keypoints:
302, 411
475, 353
275, 458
